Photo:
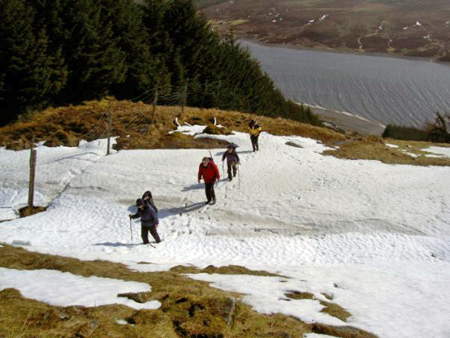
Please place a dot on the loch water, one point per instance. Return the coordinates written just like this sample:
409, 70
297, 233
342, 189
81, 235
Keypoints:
381, 88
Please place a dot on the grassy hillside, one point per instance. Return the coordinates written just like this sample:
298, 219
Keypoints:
405, 27
189, 308
133, 124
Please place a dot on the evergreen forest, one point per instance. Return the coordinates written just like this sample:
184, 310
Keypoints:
60, 52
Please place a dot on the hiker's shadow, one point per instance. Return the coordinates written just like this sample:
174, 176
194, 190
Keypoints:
186, 209
117, 244
193, 187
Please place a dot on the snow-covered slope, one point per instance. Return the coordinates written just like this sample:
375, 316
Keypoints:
374, 236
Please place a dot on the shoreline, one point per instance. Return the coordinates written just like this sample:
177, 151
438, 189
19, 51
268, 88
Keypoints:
348, 122
344, 51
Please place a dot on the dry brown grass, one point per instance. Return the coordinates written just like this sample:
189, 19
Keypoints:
332, 309
299, 295
189, 308
414, 147
224, 270
132, 123
335, 310
374, 148
28, 211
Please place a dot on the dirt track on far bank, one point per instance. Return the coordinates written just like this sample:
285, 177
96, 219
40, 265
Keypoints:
349, 122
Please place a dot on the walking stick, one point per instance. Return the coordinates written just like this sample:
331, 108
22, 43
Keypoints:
131, 231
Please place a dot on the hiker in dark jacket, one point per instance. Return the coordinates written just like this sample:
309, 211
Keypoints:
148, 198
208, 170
149, 220
254, 130
232, 160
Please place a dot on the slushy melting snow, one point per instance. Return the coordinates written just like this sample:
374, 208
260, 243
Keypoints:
374, 237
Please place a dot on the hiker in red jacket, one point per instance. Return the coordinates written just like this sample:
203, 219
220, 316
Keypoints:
208, 170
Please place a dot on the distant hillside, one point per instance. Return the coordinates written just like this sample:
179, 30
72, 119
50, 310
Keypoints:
68, 51
403, 27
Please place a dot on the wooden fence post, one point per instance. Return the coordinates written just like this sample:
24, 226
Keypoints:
108, 131
32, 175
155, 102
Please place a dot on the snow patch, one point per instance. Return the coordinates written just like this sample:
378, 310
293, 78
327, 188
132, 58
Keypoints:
441, 151
51, 287
374, 236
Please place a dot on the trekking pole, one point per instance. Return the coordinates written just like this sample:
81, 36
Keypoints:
131, 231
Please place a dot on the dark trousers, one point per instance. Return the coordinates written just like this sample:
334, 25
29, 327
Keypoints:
209, 190
144, 233
254, 142
232, 166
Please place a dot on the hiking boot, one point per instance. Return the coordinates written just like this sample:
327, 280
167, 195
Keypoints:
213, 202
207, 202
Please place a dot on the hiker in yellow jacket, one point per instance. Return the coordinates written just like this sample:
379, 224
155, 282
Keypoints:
254, 130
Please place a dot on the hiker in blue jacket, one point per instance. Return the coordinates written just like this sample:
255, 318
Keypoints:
232, 160
149, 220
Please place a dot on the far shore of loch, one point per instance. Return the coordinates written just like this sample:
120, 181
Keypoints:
343, 51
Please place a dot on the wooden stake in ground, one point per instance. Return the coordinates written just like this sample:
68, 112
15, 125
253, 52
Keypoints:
108, 131
155, 102
32, 175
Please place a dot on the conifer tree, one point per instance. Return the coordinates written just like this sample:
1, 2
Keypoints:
95, 59
134, 41
67, 51
29, 75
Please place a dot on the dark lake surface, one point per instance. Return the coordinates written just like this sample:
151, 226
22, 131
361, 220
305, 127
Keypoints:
385, 89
